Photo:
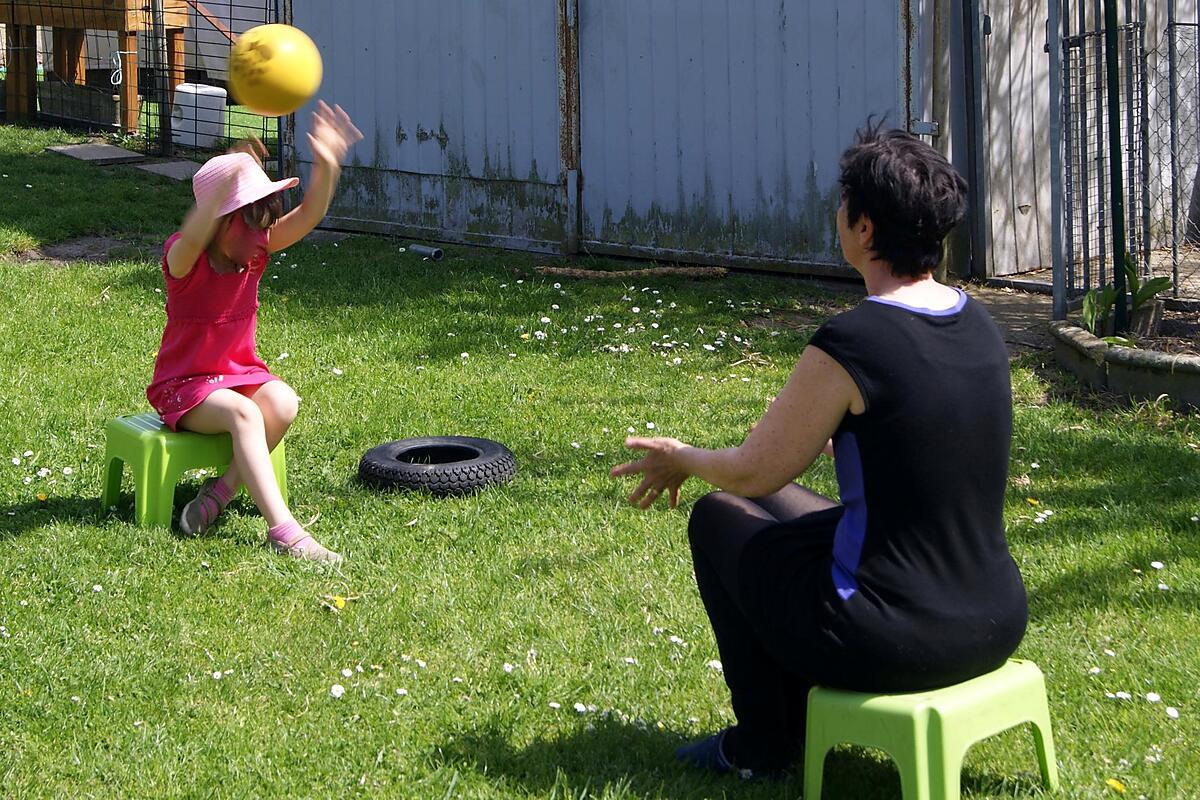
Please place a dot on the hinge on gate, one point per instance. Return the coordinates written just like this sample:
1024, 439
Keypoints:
921, 127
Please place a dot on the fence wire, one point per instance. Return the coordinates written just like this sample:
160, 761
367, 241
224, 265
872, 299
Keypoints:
154, 72
1087, 168
1175, 143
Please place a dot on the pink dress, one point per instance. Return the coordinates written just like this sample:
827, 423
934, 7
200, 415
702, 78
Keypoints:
209, 342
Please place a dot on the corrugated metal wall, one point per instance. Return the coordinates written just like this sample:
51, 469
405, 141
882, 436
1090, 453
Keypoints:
459, 103
698, 129
715, 126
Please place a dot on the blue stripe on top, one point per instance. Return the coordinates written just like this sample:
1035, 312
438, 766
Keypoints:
851, 531
932, 312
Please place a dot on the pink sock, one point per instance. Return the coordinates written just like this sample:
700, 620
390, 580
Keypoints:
286, 533
222, 491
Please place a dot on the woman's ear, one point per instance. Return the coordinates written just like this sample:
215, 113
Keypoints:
864, 229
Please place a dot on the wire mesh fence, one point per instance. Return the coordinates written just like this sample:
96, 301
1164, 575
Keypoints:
1175, 142
1087, 165
153, 72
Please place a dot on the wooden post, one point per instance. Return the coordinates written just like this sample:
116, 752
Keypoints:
20, 82
175, 59
130, 107
69, 62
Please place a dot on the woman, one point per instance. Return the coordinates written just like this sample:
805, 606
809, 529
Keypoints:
907, 584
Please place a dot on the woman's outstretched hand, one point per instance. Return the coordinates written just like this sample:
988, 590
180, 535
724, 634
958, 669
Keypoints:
659, 468
332, 136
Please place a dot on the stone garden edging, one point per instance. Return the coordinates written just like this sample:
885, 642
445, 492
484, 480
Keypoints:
1142, 374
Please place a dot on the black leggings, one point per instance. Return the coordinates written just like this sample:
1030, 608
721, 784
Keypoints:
769, 700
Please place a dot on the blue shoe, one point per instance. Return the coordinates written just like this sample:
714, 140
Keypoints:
708, 754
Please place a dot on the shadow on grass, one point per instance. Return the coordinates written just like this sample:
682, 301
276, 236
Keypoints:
610, 758
17, 520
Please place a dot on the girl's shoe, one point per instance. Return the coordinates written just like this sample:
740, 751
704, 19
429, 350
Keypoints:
199, 514
298, 543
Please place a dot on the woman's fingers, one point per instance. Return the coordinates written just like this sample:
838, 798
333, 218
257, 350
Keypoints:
636, 495
628, 468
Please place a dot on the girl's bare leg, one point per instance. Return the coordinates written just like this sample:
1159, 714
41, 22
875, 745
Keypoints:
278, 404
226, 411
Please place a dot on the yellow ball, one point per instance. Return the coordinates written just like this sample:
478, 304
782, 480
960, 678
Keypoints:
274, 69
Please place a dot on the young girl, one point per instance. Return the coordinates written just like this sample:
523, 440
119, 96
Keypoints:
207, 376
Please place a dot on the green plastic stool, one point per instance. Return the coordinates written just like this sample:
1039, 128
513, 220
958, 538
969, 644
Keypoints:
158, 457
928, 733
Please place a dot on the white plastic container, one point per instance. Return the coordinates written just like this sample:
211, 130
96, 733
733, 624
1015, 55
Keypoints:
198, 115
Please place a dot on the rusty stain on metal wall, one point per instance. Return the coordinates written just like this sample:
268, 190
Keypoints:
716, 126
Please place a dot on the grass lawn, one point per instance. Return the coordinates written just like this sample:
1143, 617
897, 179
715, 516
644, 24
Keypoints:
134, 662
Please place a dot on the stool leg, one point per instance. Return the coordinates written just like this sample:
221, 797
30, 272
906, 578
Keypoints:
915, 782
1043, 740
814, 767
154, 491
946, 779
110, 492
914, 773
279, 462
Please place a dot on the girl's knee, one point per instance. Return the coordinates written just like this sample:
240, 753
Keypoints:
285, 404
279, 402
246, 417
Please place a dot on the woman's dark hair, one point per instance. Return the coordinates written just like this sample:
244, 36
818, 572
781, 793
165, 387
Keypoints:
263, 213
910, 193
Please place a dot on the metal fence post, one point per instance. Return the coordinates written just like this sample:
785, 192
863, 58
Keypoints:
1054, 43
1173, 101
162, 78
977, 180
1115, 178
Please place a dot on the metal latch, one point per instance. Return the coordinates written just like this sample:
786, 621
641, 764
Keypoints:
922, 127
987, 24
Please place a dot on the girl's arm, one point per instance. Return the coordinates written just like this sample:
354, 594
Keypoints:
197, 231
780, 447
332, 136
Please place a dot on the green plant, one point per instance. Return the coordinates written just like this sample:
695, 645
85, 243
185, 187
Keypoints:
1097, 306
1142, 293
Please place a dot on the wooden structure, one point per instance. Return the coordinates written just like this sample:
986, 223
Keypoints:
69, 19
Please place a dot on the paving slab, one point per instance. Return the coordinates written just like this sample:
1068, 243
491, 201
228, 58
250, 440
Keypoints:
99, 154
179, 170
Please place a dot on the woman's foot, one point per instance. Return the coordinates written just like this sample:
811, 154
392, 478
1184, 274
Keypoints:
199, 515
707, 754
710, 754
291, 539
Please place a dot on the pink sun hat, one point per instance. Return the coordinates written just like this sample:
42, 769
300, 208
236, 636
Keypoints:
250, 183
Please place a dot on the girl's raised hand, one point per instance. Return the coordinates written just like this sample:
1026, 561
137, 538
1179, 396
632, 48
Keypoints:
332, 136
252, 145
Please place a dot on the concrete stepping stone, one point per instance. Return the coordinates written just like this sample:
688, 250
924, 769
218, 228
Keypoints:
179, 170
99, 154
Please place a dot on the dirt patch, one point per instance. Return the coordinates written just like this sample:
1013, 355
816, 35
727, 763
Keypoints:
88, 248
1021, 316
1179, 334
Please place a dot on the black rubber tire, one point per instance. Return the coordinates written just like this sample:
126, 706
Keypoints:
445, 465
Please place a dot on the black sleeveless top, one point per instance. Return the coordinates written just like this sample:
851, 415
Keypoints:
921, 568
